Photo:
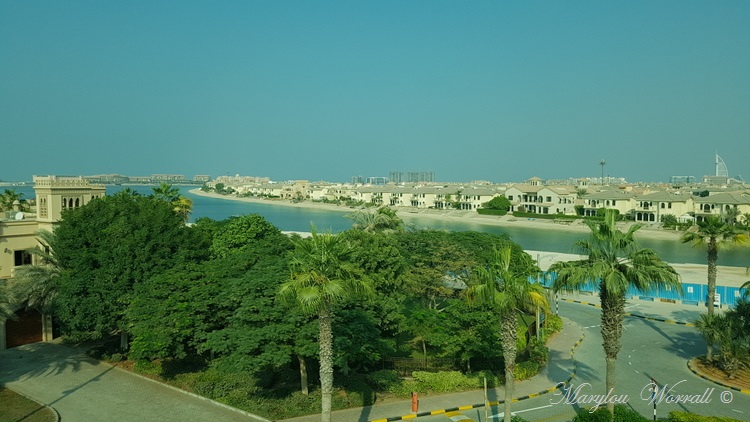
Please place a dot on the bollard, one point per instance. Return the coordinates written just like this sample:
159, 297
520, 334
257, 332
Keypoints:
414, 402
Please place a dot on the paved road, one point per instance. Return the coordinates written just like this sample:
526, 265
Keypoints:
650, 349
82, 389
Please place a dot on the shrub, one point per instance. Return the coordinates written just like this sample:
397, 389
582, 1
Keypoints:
489, 211
675, 416
622, 414
384, 380
443, 382
553, 323
538, 352
526, 370
219, 384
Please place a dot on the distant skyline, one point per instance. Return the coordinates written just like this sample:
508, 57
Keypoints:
485, 90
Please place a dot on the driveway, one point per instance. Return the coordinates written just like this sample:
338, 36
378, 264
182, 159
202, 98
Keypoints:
82, 389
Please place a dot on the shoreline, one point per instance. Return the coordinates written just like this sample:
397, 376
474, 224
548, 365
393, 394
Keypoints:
729, 276
408, 213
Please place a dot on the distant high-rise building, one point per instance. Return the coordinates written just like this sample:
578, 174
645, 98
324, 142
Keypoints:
411, 176
358, 180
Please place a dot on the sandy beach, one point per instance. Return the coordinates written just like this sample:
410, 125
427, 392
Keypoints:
409, 214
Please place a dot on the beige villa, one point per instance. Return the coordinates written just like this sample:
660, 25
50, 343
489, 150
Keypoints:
18, 239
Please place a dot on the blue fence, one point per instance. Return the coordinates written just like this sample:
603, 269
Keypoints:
696, 294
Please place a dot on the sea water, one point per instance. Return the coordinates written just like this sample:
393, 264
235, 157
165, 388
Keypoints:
301, 219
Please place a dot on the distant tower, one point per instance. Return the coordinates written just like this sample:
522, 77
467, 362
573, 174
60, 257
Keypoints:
602, 163
721, 167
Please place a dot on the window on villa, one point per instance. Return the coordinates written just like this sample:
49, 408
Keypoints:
662, 205
21, 258
510, 197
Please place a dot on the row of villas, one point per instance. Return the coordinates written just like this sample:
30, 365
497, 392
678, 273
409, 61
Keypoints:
644, 204
406, 195
652, 206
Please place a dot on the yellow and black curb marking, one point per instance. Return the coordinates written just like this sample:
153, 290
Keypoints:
741, 390
668, 321
453, 412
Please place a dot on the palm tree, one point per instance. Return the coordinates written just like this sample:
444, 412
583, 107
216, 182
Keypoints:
731, 216
615, 262
505, 287
708, 327
383, 220
7, 198
37, 285
716, 234
733, 351
321, 277
181, 205
6, 302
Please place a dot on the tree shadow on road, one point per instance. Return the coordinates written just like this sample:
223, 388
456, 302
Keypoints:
38, 359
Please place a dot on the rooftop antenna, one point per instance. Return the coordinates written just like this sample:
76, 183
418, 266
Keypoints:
602, 163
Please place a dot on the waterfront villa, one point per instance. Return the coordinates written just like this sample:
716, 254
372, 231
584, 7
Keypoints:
728, 204
535, 197
652, 207
18, 238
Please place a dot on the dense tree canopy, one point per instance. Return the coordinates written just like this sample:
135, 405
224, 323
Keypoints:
107, 247
208, 293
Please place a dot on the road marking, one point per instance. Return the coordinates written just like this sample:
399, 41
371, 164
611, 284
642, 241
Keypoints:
738, 411
515, 412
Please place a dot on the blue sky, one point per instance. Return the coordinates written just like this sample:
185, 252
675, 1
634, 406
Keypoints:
489, 90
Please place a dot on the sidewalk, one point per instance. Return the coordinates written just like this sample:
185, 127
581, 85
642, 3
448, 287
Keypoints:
560, 368
83, 389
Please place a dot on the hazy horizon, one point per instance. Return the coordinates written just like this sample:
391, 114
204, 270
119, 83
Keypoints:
327, 90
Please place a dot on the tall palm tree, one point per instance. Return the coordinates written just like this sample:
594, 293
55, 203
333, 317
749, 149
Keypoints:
615, 262
716, 234
181, 205
383, 220
505, 288
321, 277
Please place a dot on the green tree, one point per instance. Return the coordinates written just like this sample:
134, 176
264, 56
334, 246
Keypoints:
321, 277
734, 353
669, 220
715, 234
731, 216
615, 262
498, 203
708, 327
181, 204
6, 301
8, 197
504, 286
236, 233
105, 248
382, 220
37, 286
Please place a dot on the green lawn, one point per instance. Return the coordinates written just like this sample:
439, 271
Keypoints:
18, 408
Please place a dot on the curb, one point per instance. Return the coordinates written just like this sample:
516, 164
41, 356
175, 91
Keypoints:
668, 321
693, 370
495, 403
